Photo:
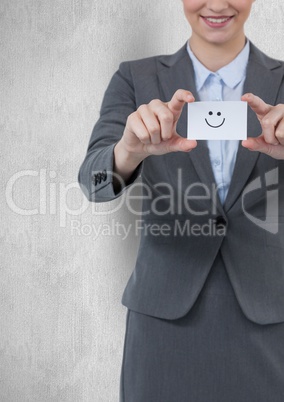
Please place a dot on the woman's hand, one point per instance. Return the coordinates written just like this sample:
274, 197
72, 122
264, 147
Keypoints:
271, 140
151, 130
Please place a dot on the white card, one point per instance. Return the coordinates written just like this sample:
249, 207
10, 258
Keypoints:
217, 120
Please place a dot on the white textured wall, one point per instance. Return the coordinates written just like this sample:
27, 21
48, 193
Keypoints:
62, 324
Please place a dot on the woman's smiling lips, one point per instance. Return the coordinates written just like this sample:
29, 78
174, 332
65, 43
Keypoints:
217, 22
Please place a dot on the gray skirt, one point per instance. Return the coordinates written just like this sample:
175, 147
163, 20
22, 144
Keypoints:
212, 354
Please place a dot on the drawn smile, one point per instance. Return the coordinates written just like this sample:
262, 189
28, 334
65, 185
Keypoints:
210, 125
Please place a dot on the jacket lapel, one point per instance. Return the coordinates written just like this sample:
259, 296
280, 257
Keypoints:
264, 76
177, 73
263, 79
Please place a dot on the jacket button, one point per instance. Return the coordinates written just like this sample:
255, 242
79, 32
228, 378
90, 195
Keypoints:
99, 178
104, 175
95, 179
220, 222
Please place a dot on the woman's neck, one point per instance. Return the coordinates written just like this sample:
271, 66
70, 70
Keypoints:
215, 56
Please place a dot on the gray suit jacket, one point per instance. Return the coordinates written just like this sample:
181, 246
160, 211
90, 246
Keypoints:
185, 226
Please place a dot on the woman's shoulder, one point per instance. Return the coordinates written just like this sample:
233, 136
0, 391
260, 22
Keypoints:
260, 57
150, 64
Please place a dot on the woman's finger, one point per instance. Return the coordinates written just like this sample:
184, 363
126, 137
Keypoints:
272, 128
151, 122
136, 126
167, 124
176, 104
279, 132
257, 104
260, 145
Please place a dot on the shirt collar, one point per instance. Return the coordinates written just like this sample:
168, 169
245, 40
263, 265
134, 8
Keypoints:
231, 74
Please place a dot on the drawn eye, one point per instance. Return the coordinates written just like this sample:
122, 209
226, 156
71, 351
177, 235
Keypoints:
210, 113
219, 114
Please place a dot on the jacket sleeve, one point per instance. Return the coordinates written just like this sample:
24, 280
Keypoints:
96, 172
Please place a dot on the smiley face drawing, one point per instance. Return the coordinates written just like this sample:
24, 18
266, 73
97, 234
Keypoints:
217, 120
215, 126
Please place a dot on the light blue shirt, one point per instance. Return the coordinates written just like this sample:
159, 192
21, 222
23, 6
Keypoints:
224, 85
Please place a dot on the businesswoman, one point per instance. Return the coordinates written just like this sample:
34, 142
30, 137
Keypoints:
205, 318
